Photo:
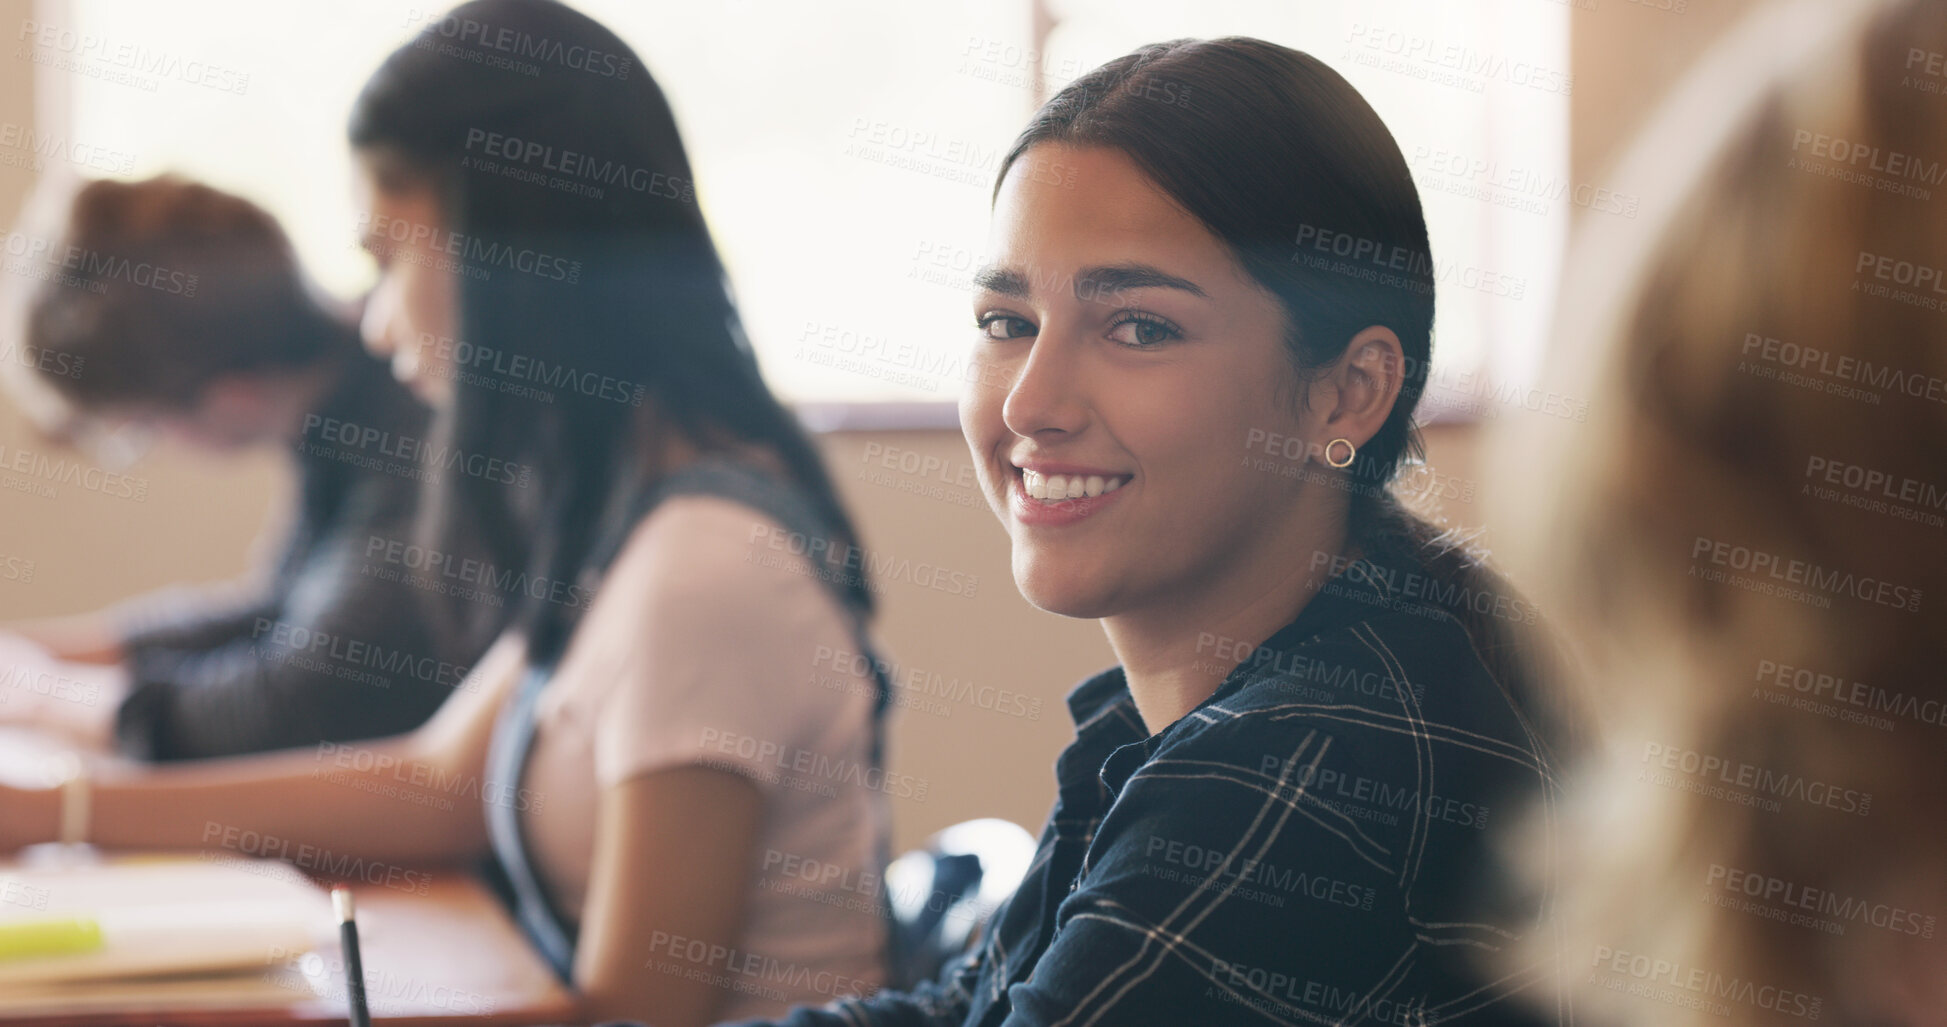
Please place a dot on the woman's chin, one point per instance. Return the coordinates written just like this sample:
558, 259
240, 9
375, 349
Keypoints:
1068, 591
435, 394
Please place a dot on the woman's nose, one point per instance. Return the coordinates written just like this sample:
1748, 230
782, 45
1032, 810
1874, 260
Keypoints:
1048, 391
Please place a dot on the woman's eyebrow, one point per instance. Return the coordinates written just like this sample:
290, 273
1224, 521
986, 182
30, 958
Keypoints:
1094, 282
1091, 283
1005, 281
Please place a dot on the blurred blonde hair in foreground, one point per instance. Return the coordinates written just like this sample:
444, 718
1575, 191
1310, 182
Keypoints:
1748, 542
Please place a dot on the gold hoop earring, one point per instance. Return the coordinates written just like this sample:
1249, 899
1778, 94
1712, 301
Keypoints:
1350, 452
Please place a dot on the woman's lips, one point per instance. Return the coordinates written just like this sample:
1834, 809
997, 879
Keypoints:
1058, 487
1058, 499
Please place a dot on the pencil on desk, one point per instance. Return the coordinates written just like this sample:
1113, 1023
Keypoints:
341, 900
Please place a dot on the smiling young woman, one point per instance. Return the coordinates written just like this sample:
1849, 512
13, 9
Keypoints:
1276, 808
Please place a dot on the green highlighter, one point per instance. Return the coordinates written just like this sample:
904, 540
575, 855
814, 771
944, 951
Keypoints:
55, 936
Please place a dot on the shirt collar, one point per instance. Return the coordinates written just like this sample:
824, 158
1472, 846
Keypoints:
1355, 591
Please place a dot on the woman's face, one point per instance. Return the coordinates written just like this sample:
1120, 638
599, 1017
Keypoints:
1124, 356
411, 313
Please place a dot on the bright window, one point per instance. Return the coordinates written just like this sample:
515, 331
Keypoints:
845, 149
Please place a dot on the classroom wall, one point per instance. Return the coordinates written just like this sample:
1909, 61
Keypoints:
92, 538
197, 517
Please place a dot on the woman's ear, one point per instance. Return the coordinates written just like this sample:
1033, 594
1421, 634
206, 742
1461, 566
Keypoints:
1357, 395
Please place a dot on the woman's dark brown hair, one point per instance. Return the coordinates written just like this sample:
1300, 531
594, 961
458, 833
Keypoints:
629, 285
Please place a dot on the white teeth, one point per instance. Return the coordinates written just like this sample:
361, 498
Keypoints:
1054, 488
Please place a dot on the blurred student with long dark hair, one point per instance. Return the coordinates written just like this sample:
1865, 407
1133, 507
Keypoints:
1280, 806
222, 345
653, 722
1747, 538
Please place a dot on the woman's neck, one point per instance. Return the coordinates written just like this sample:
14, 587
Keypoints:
1176, 653
296, 395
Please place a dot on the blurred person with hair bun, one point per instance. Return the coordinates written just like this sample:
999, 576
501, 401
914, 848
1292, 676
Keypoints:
1749, 539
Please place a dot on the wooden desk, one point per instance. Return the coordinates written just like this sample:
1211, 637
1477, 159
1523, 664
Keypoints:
450, 956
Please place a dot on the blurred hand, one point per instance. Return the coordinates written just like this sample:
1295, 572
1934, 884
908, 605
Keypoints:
18, 658
74, 700
80, 638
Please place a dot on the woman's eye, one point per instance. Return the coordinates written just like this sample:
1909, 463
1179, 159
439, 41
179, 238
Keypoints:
1003, 326
1143, 332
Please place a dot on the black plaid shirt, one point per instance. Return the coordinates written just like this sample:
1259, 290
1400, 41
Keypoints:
1314, 844
273, 671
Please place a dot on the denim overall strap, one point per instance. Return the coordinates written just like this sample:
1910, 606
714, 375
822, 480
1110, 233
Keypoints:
513, 735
